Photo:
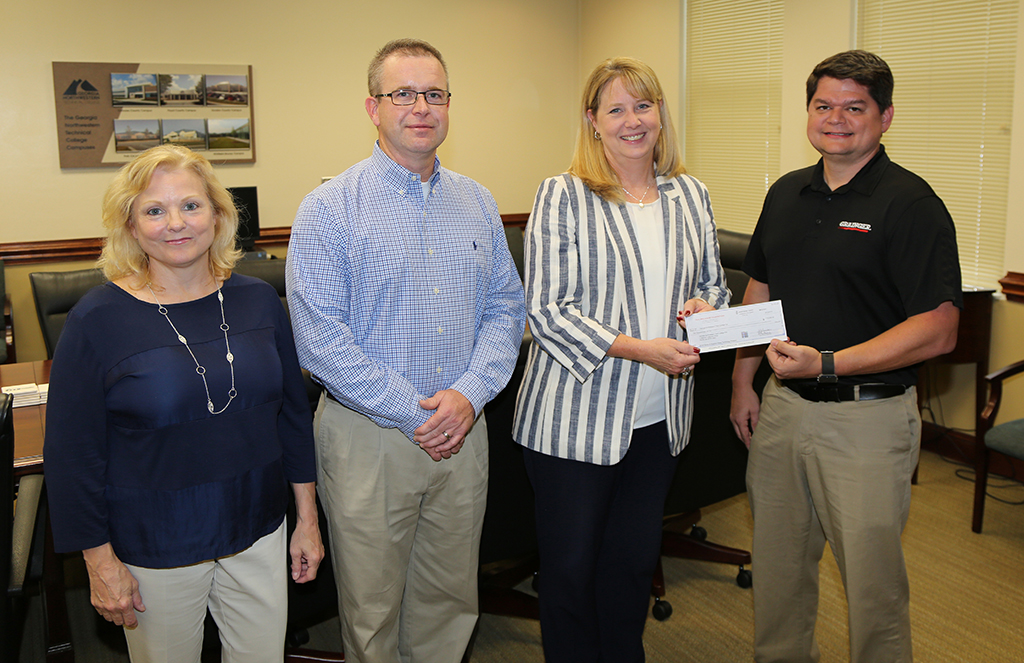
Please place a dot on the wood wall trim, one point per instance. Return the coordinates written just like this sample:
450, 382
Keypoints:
61, 250
270, 236
962, 448
1013, 286
66, 250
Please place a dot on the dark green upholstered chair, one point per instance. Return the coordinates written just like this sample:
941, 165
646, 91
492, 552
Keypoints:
1006, 438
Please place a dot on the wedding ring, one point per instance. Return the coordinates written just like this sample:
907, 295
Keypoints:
446, 435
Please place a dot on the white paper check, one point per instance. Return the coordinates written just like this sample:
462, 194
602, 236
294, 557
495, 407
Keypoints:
739, 327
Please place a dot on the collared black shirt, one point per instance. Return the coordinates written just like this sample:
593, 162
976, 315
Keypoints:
852, 263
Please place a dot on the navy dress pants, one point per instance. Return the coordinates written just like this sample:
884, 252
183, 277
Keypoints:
599, 537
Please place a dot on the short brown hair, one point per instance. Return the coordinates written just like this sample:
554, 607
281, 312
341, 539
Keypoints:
589, 162
122, 256
408, 47
862, 67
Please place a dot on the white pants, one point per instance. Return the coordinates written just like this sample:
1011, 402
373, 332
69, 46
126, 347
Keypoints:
247, 594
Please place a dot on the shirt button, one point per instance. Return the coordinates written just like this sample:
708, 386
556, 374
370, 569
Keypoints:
439, 330
438, 369
430, 252
437, 291
818, 221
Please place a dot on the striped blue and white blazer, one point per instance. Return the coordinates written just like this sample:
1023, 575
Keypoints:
584, 286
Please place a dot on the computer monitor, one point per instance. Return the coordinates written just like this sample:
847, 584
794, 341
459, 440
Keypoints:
248, 216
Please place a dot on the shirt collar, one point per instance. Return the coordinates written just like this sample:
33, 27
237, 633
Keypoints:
864, 182
398, 176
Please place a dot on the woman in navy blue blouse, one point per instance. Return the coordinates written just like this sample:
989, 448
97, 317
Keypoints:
177, 419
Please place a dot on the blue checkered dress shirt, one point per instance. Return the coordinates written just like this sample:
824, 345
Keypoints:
395, 296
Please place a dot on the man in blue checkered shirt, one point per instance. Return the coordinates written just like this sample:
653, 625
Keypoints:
407, 308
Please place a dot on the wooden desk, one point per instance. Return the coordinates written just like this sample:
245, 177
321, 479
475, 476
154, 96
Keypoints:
29, 429
29, 422
973, 342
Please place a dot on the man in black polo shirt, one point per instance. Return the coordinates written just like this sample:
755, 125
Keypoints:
863, 256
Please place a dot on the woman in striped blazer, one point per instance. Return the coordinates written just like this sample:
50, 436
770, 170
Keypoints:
617, 249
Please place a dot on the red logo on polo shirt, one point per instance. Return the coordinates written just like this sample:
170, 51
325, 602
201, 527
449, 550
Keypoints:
853, 225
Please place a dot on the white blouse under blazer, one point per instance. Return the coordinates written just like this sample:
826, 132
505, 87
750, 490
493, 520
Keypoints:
584, 286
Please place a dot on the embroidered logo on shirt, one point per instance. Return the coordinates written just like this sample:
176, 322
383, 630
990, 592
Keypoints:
853, 225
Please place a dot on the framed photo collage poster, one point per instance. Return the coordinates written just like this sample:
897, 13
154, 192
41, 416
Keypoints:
107, 113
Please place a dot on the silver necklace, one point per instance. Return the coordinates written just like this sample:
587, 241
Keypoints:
641, 198
200, 369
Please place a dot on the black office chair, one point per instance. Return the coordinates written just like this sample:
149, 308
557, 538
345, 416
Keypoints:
315, 601
6, 347
712, 467
271, 271
7, 352
20, 534
55, 293
508, 545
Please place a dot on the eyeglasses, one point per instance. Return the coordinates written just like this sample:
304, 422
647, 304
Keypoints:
408, 97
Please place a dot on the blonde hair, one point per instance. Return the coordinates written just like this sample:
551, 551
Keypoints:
122, 256
589, 162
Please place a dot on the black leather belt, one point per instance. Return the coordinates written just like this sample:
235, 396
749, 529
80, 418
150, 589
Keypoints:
837, 393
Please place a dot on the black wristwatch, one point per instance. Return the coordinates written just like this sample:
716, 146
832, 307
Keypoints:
828, 368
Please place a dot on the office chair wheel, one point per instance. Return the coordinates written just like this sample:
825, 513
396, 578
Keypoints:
699, 533
661, 610
745, 578
296, 637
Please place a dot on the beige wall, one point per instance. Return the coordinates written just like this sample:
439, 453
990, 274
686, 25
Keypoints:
650, 32
309, 60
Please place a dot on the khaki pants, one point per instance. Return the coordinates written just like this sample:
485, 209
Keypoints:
247, 594
838, 472
405, 537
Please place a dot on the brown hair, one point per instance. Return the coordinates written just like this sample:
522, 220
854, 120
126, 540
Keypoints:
408, 47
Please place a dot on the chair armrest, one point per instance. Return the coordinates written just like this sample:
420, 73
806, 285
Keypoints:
29, 489
995, 396
1006, 372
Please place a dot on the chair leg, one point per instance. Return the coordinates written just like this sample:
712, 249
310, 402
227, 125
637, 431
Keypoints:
658, 581
980, 483
497, 586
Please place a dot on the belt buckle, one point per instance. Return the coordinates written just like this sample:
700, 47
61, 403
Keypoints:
828, 393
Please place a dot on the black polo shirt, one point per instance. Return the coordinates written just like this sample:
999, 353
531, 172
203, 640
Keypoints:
852, 263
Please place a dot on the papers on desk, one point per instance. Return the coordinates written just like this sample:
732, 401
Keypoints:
28, 394
739, 327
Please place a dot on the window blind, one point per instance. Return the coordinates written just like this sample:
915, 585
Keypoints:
953, 63
733, 95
